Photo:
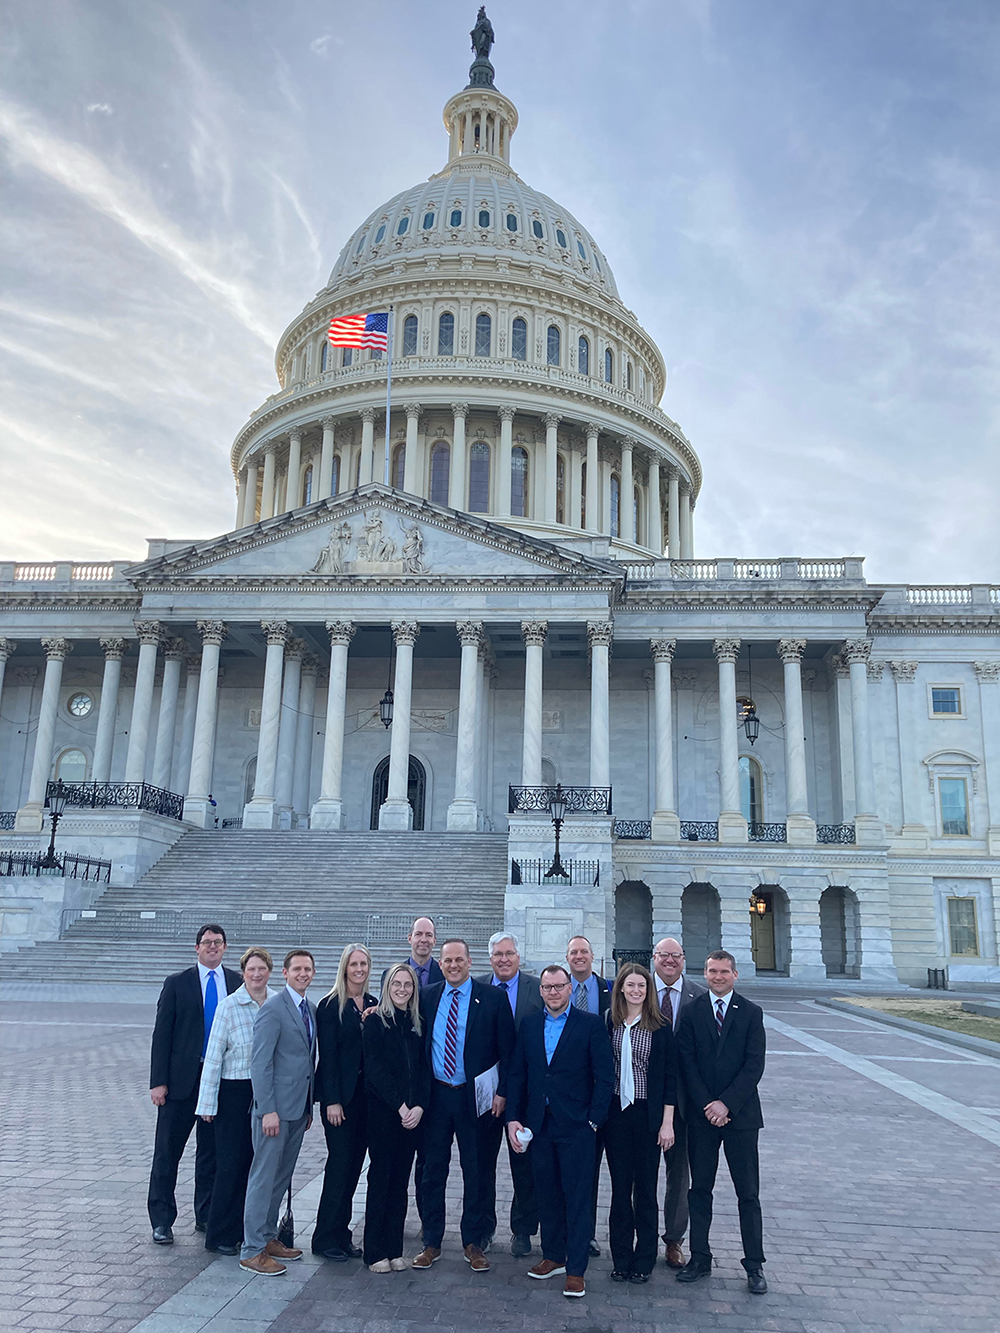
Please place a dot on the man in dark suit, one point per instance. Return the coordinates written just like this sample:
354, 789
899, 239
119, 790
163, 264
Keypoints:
561, 1082
674, 992
721, 1045
422, 939
469, 1032
184, 1014
524, 997
591, 995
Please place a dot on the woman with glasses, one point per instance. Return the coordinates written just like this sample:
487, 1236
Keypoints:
340, 1091
398, 1081
640, 1122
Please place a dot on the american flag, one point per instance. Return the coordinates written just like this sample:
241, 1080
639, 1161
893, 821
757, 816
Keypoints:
360, 330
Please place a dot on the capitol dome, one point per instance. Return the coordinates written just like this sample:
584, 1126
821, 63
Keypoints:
522, 387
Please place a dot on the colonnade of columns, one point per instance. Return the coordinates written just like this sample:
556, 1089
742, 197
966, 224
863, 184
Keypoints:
276, 469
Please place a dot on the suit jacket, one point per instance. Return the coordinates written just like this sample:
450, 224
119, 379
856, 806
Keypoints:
529, 997
603, 995
396, 1068
179, 1031
338, 1075
489, 1033
690, 990
576, 1087
723, 1067
434, 974
661, 1074
283, 1060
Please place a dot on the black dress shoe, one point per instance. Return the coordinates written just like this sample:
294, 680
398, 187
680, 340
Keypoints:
618, 1276
594, 1250
756, 1281
353, 1252
520, 1246
223, 1249
693, 1270
163, 1236
638, 1277
334, 1255
201, 1226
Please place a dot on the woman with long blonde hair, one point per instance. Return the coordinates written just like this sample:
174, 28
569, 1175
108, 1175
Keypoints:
340, 1090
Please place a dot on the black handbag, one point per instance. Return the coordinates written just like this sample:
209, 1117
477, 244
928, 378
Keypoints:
286, 1227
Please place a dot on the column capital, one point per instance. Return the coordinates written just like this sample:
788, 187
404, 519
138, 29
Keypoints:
791, 650
296, 433
460, 409
552, 420
368, 414
534, 632
114, 649
629, 442
470, 633
148, 632
987, 671
271, 447
7, 648
174, 648
275, 631
875, 670
904, 670
296, 648
328, 422
600, 633
57, 649
726, 650
341, 632
662, 650
194, 664
857, 650
591, 429
212, 631
413, 411
405, 632
310, 664
506, 413
837, 666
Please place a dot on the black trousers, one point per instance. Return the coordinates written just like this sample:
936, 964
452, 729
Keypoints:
450, 1117
233, 1157
678, 1181
704, 1141
523, 1209
174, 1122
562, 1163
598, 1154
390, 1152
346, 1145
634, 1163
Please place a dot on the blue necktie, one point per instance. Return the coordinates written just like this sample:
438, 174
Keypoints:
211, 1004
304, 1011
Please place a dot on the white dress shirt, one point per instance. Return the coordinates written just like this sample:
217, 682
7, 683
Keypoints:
725, 1004
675, 990
220, 981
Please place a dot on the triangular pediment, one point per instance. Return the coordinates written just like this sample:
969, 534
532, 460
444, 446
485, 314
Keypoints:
371, 533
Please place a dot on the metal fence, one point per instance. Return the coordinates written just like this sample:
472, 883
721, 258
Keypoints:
699, 830
623, 956
68, 865
121, 795
7, 820
767, 832
833, 833
535, 872
579, 800
638, 830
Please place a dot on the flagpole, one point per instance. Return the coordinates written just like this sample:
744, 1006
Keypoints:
388, 394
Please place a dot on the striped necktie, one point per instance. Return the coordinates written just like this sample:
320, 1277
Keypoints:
451, 1039
581, 1000
720, 1015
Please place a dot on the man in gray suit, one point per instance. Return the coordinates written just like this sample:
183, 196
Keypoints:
674, 992
521, 989
282, 1067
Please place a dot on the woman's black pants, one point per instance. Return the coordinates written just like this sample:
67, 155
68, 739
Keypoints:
390, 1154
233, 1156
634, 1162
346, 1145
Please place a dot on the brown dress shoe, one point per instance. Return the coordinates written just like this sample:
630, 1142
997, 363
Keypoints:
278, 1251
574, 1286
263, 1264
427, 1256
476, 1260
675, 1255
547, 1268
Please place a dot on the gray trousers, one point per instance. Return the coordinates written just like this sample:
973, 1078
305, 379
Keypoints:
675, 1198
274, 1159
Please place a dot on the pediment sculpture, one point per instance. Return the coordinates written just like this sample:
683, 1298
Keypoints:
376, 553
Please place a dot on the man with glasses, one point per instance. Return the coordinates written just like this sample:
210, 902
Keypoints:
521, 990
591, 995
673, 992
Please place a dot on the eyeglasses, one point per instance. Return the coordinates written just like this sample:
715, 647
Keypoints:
504, 955
674, 957
563, 985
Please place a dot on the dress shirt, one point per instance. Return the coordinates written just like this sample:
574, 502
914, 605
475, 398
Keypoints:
220, 981
423, 971
675, 990
725, 1003
511, 990
297, 1001
591, 984
441, 1027
552, 1031
229, 1047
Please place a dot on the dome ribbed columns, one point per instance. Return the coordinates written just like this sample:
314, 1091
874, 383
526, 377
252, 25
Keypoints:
326, 461
674, 514
457, 474
593, 479
292, 493
267, 489
626, 499
552, 420
411, 462
654, 515
506, 415
250, 507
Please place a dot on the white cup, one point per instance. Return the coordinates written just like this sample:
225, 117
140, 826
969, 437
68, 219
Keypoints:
524, 1137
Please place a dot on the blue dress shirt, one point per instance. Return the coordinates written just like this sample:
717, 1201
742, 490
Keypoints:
591, 985
441, 1027
511, 990
552, 1031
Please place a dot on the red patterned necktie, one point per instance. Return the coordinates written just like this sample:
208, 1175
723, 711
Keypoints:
720, 1015
451, 1039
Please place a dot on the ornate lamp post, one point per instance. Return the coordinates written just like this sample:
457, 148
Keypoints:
557, 810
58, 794
751, 722
385, 703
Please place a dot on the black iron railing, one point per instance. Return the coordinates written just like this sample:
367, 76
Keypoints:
766, 832
68, 864
639, 830
534, 872
579, 800
623, 956
235, 822
127, 795
842, 833
7, 820
700, 830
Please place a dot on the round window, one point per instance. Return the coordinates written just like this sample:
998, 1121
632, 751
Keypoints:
80, 705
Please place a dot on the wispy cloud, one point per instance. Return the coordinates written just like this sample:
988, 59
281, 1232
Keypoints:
103, 108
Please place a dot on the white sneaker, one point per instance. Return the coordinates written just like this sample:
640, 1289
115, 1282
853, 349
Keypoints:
383, 1266
398, 1265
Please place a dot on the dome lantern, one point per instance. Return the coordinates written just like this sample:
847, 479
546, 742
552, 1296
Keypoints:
480, 120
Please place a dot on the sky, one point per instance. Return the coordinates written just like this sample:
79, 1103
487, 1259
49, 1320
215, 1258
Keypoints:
799, 199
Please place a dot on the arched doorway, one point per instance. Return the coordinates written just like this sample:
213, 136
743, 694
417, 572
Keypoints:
838, 932
769, 929
701, 924
416, 789
633, 923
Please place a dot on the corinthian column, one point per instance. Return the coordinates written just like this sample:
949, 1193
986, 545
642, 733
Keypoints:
104, 743
868, 828
267, 488
396, 811
600, 634
593, 523
674, 514
626, 516
174, 651
241, 497
259, 811
458, 473
800, 826
196, 804
328, 812
463, 814
29, 817
288, 728
732, 825
304, 738
411, 462
654, 515
293, 483
534, 633
193, 675
552, 420
506, 415
367, 472
666, 826
149, 634
250, 505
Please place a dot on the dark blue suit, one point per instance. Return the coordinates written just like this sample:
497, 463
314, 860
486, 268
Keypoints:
559, 1103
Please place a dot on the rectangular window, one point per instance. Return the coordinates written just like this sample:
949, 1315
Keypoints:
962, 931
954, 807
946, 700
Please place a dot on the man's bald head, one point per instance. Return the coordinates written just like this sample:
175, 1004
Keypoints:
422, 939
668, 959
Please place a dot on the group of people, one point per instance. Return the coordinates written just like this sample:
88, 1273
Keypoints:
567, 1066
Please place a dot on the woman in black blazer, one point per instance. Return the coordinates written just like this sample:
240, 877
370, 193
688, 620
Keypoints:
340, 1091
398, 1079
641, 1120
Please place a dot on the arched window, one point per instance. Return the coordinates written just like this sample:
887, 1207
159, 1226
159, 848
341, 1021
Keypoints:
519, 340
519, 482
410, 335
628, 375
398, 466
583, 494
583, 357
615, 506
404, 223
71, 766
375, 354
335, 476
446, 334
636, 512
307, 486
428, 221
609, 366
380, 234
323, 356
484, 334
348, 356
456, 217
751, 790
479, 477
582, 251
440, 471
560, 489
511, 222
553, 346
560, 238
484, 217
538, 230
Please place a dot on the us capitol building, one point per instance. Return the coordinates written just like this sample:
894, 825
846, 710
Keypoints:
771, 754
